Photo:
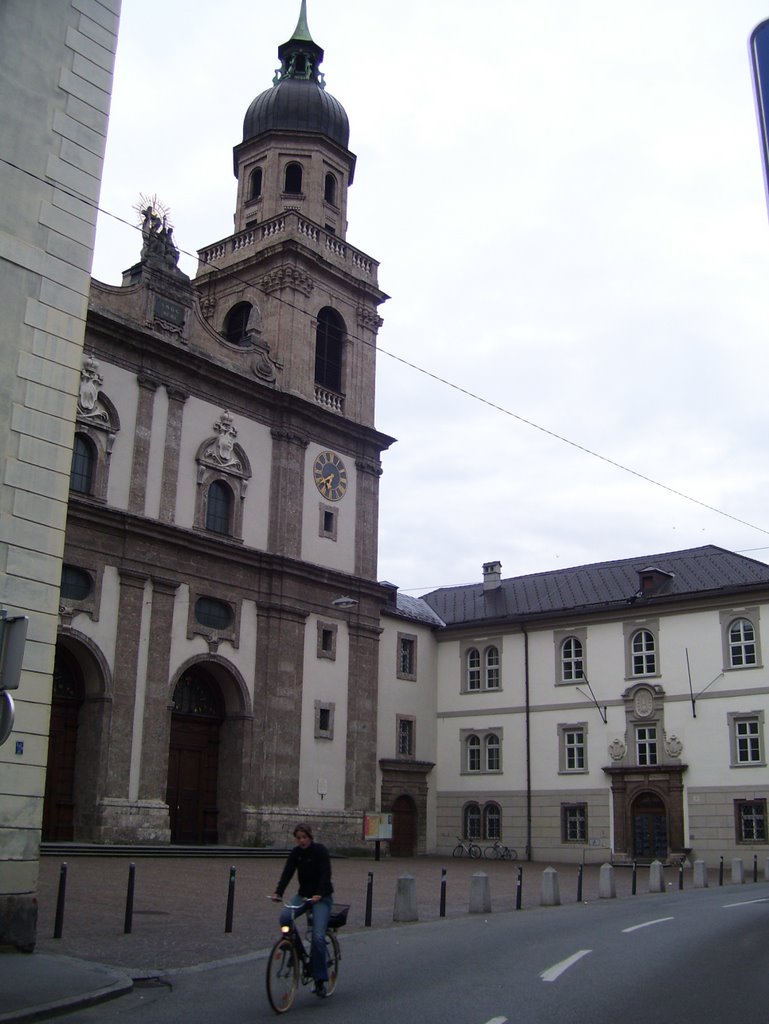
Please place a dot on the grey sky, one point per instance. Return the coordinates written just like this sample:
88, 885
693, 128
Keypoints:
567, 202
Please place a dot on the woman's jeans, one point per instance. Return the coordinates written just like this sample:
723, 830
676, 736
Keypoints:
321, 911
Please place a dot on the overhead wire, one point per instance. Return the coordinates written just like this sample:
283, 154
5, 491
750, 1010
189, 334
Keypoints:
427, 373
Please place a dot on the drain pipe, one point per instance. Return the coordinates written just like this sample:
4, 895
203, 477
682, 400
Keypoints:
528, 739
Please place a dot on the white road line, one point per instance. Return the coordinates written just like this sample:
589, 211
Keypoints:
646, 924
554, 972
746, 903
497, 1020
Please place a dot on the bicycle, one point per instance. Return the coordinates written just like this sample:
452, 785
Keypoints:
289, 960
465, 846
499, 851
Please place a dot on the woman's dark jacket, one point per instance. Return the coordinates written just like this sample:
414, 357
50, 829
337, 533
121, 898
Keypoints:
313, 866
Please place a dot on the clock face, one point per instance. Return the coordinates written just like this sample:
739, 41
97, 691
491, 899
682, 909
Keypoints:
330, 476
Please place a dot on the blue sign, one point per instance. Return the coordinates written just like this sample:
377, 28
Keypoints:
759, 59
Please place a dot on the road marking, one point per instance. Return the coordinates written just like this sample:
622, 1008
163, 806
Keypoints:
497, 1020
647, 924
747, 903
554, 972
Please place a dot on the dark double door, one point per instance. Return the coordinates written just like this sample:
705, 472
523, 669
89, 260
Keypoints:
650, 828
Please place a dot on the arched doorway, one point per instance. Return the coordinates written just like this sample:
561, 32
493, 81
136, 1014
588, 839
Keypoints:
193, 758
66, 701
650, 828
403, 843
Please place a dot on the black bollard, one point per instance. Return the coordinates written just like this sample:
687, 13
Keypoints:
579, 884
680, 876
519, 890
230, 901
369, 898
443, 893
634, 887
721, 872
58, 926
755, 867
129, 900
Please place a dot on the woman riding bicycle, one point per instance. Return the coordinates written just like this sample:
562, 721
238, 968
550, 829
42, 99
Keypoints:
312, 863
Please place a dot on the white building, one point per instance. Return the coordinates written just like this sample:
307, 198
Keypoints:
614, 710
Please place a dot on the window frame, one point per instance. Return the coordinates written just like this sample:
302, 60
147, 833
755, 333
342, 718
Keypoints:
480, 672
744, 811
491, 810
330, 629
728, 617
492, 668
475, 746
327, 708
648, 744
735, 719
566, 747
295, 170
472, 808
631, 631
405, 727
406, 641
574, 814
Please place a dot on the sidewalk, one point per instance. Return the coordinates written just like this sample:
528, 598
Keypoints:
180, 913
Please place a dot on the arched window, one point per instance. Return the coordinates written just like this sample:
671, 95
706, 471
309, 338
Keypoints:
236, 324
472, 821
571, 659
492, 821
644, 658
255, 189
293, 179
198, 693
329, 189
492, 668
83, 465
473, 660
219, 508
742, 643
492, 753
329, 336
473, 754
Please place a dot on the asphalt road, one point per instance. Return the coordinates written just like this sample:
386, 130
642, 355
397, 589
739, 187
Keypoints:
683, 958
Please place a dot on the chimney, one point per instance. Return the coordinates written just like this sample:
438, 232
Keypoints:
492, 576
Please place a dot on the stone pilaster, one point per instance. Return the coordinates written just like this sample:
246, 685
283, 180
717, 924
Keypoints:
367, 524
360, 787
287, 493
157, 699
176, 400
142, 436
130, 606
278, 704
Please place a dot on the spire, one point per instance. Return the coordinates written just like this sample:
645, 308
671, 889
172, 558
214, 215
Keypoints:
301, 56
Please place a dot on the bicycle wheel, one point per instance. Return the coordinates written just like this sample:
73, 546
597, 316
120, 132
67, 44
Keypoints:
282, 975
475, 851
510, 853
333, 956
490, 853
458, 850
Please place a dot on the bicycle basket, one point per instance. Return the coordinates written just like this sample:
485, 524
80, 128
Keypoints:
338, 916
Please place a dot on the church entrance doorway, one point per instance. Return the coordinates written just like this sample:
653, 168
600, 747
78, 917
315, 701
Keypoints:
193, 759
650, 828
404, 840
59, 801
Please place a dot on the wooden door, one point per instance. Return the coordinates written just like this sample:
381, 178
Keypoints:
59, 801
404, 840
193, 764
650, 831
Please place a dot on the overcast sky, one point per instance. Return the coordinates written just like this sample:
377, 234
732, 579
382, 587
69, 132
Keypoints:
567, 202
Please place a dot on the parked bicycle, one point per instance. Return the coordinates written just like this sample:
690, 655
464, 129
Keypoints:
498, 851
465, 846
289, 960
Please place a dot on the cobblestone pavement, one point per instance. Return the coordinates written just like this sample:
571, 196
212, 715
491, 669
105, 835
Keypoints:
180, 904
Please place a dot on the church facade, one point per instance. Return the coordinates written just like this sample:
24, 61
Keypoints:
217, 659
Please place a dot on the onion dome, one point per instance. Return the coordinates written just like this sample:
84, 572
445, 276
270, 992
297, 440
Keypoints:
298, 101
